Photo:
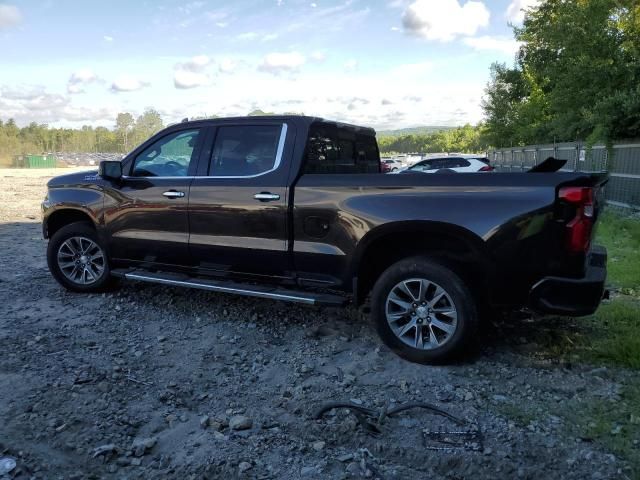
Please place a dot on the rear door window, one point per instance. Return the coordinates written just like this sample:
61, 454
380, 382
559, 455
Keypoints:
459, 163
245, 150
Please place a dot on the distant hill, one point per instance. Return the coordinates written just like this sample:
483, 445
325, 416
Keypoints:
412, 131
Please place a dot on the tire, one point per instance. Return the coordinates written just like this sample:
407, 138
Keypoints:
413, 322
65, 245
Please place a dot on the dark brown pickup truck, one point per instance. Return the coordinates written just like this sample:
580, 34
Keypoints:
295, 208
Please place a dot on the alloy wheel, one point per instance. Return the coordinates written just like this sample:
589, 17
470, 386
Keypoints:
81, 260
421, 313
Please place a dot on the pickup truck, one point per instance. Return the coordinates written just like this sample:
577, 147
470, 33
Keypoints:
296, 208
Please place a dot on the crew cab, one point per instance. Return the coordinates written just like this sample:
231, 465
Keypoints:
296, 208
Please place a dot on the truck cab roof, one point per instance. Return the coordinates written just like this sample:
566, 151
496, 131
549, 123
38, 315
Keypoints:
302, 119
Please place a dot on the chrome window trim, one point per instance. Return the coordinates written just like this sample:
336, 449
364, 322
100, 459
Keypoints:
276, 165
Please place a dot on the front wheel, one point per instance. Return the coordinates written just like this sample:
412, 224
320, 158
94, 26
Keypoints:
77, 259
423, 310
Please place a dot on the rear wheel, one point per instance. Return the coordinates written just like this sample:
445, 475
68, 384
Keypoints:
78, 260
423, 310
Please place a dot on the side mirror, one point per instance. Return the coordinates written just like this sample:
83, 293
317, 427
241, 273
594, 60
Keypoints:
110, 169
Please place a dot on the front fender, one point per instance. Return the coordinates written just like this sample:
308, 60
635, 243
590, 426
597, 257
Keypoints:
80, 200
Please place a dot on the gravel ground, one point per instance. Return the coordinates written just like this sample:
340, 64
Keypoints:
155, 382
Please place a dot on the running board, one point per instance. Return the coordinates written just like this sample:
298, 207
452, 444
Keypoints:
248, 290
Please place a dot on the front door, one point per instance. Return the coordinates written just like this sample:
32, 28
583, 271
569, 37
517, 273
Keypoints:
148, 219
238, 208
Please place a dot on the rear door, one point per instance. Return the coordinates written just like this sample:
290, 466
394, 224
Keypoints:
238, 205
148, 219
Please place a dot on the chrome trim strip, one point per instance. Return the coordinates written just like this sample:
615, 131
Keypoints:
279, 152
186, 177
217, 288
283, 136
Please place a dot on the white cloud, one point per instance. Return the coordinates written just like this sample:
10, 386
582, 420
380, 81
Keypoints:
9, 16
188, 8
218, 17
192, 73
506, 45
227, 65
35, 104
515, 10
444, 20
269, 37
128, 83
195, 64
276, 63
107, 38
397, 3
79, 79
247, 36
185, 79
314, 5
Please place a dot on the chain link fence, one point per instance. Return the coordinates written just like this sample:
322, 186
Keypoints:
621, 161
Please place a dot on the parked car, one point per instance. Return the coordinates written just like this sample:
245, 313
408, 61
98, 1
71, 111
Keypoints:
451, 164
294, 208
390, 165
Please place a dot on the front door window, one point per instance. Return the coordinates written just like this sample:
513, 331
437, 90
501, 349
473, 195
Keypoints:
169, 156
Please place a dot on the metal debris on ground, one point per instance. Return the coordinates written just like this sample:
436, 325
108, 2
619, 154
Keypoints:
372, 420
6, 465
104, 449
446, 440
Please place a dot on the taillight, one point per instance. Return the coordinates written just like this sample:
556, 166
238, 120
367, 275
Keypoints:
486, 168
578, 236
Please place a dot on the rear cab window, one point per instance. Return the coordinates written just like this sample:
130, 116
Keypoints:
245, 150
335, 148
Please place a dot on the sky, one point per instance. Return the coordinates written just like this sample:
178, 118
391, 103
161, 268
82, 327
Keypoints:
382, 63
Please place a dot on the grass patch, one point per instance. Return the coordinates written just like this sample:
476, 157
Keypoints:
614, 424
621, 236
518, 413
614, 334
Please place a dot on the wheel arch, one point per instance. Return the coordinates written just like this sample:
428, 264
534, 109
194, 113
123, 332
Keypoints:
454, 246
62, 217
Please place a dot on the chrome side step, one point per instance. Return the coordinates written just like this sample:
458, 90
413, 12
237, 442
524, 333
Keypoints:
273, 293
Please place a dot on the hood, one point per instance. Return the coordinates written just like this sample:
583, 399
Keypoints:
76, 178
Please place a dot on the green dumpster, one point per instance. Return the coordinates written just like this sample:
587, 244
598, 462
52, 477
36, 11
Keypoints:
40, 161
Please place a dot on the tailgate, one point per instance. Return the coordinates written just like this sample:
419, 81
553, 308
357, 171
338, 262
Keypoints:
578, 206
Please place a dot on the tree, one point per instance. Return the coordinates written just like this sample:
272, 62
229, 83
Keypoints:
147, 124
259, 113
466, 139
124, 124
576, 75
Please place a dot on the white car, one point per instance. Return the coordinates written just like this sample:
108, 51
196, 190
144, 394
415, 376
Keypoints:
391, 165
451, 164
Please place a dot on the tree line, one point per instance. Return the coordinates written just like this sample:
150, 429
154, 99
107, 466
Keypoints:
466, 139
40, 138
127, 132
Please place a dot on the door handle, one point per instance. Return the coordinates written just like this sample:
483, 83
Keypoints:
266, 196
173, 194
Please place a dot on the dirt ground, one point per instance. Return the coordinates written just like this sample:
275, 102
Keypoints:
158, 382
